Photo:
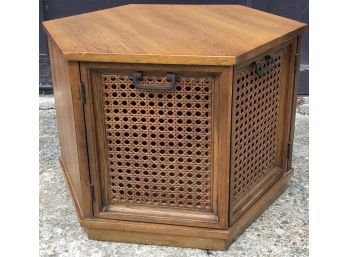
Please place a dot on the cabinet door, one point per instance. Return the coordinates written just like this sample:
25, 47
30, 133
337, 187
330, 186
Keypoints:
263, 90
158, 142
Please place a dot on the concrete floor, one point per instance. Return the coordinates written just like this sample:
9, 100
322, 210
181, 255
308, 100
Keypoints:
282, 230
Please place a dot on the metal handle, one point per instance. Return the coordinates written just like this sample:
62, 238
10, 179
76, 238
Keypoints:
258, 67
138, 75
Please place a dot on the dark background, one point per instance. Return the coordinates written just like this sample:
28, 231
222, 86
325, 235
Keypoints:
52, 9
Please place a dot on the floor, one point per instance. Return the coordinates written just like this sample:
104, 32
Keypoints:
282, 230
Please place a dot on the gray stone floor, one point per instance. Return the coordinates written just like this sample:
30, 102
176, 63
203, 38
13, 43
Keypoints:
282, 230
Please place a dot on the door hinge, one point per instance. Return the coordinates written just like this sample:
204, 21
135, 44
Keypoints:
92, 192
82, 92
296, 60
289, 150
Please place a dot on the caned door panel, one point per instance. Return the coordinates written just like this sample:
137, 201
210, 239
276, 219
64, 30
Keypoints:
153, 143
261, 113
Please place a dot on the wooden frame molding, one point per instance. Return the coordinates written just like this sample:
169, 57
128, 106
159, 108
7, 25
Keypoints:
213, 239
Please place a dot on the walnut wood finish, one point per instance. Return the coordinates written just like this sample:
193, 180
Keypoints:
214, 152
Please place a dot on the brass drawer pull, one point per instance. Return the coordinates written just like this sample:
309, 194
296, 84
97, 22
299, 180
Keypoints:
138, 76
258, 65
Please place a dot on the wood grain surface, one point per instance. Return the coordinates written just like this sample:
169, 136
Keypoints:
252, 58
170, 34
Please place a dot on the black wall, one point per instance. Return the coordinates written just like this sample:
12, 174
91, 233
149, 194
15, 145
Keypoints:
52, 9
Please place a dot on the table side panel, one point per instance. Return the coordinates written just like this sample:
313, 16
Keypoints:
70, 122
